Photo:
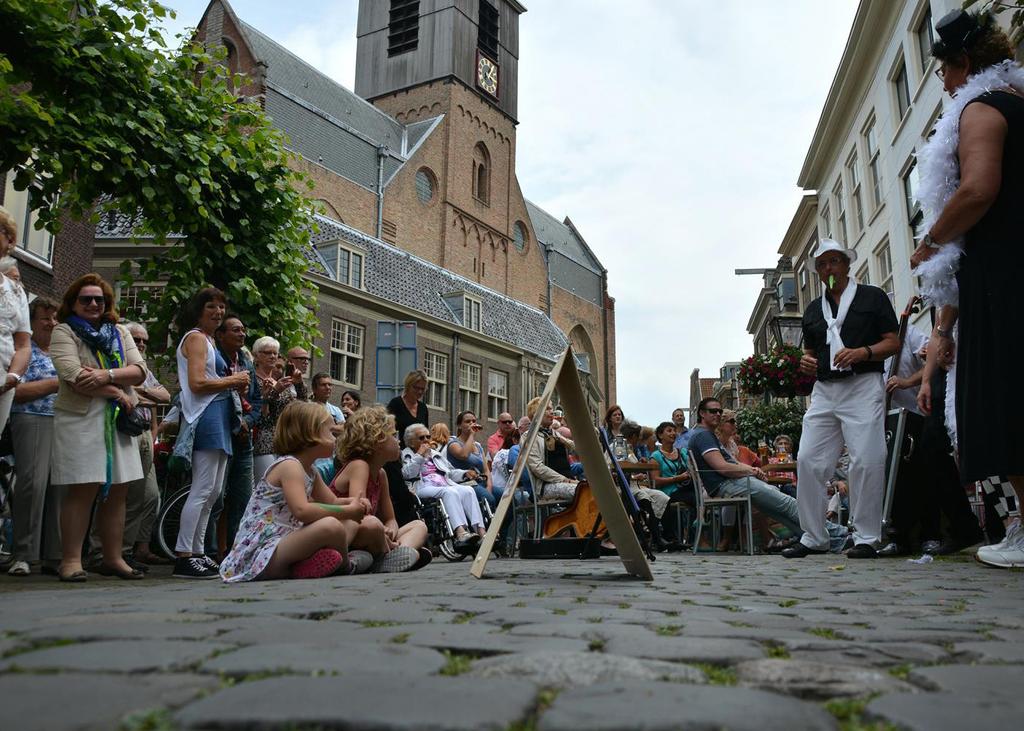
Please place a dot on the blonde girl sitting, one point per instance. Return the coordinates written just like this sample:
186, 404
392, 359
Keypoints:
293, 525
365, 446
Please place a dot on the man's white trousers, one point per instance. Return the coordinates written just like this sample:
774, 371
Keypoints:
848, 411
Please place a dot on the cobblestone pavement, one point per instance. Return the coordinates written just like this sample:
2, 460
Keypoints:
714, 642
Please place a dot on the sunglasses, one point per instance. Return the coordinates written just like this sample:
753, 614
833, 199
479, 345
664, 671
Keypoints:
730, 421
714, 411
507, 421
141, 341
423, 437
86, 299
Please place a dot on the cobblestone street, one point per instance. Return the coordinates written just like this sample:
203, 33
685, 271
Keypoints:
714, 642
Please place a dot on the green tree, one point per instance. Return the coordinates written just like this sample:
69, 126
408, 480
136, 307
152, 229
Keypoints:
767, 421
99, 117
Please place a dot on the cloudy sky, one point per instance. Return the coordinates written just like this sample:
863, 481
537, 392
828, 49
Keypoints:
670, 131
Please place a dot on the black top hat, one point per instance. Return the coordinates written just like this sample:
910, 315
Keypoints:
956, 31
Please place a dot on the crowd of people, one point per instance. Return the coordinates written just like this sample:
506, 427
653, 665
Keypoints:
285, 483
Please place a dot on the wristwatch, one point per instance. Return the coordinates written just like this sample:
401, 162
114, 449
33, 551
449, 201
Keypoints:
927, 241
942, 333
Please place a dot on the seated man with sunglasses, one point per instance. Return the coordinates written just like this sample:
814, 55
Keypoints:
723, 476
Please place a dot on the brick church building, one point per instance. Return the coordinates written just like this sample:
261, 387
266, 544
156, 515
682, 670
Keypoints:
427, 253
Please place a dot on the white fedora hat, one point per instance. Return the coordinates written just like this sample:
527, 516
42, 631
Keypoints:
827, 245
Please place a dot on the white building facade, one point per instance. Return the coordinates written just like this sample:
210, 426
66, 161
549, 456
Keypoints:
884, 101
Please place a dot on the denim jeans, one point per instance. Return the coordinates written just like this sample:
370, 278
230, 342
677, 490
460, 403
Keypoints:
233, 499
483, 494
765, 498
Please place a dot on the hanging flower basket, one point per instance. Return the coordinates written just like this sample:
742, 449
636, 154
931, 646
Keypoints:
777, 372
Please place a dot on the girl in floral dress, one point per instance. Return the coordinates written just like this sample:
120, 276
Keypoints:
293, 525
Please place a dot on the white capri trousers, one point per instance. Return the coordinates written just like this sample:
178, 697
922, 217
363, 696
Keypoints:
848, 411
459, 502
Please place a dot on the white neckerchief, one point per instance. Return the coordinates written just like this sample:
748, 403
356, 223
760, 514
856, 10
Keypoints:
833, 325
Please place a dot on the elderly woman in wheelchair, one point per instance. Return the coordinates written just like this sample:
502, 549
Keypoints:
431, 476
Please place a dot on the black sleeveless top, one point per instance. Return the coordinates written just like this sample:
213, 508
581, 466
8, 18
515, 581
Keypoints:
1002, 222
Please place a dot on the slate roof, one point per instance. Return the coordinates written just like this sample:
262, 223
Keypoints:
326, 122
561, 237
707, 387
397, 276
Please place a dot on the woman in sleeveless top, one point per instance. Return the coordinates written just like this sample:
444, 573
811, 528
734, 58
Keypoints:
207, 403
986, 212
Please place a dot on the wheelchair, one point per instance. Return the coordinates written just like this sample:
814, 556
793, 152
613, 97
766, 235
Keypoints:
439, 527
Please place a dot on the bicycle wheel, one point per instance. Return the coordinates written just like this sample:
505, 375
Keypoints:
168, 521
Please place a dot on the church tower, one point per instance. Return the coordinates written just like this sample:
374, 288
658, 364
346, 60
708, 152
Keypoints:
403, 44
457, 61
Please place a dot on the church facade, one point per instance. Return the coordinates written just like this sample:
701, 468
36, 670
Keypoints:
426, 251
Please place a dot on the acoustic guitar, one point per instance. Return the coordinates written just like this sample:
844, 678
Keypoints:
578, 519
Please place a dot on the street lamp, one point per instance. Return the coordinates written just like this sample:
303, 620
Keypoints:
788, 330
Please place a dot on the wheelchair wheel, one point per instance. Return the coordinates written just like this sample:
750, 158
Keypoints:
447, 549
168, 522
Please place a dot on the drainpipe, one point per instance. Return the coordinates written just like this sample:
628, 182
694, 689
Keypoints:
382, 153
547, 266
453, 398
604, 336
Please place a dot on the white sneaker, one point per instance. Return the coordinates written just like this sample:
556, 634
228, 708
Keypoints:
1008, 554
1012, 531
19, 568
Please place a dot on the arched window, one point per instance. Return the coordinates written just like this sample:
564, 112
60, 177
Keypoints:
481, 173
425, 185
520, 236
326, 209
231, 59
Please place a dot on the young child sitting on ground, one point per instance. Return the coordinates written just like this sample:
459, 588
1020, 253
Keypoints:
367, 443
293, 525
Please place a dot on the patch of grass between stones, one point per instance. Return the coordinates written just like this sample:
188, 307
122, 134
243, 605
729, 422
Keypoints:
368, 623
776, 651
545, 697
786, 603
40, 645
464, 617
849, 712
826, 632
596, 645
901, 671
153, 719
457, 663
669, 630
717, 674
400, 639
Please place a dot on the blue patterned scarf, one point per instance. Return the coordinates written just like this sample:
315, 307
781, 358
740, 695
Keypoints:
107, 346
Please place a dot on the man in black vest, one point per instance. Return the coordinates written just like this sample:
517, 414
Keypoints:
848, 334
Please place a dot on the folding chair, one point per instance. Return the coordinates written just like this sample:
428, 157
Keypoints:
711, 503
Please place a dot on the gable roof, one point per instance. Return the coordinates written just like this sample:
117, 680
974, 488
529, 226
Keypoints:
707, 387
327, 123
397, 276
563, 238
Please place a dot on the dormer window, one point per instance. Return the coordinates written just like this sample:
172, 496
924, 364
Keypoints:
467, 309
346, 264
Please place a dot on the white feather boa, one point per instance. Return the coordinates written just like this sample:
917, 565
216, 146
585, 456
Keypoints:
939, 178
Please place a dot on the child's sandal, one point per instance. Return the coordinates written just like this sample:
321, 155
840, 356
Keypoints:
322, 563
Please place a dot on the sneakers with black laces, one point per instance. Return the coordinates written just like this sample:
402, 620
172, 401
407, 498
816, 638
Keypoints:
211, 563
193, 567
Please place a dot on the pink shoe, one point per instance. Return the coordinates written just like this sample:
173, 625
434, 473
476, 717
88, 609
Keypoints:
322, 563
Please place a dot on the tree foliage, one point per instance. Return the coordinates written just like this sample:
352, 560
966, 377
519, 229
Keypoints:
767, 421
99, 117
1015, 7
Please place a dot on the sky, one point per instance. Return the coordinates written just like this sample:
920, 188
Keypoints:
671, 132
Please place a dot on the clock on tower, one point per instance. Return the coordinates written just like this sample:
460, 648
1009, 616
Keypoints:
486, 74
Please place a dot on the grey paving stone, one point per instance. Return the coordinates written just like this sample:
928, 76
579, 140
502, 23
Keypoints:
944, 712
347, 659
876, 654
364, 702
471, 638
253, 630
642, 642
816, 681
119, 656
127, 629
88, 701
971, 681
411, 613
569, 669
994, 651
654, 706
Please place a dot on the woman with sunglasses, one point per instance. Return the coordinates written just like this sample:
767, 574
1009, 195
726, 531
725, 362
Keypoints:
97, 365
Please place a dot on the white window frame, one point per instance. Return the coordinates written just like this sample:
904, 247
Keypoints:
497, 393
36, 244
472, 313
883, 261
352, 255
345, 354
826, 218
469, 386
901, 66
837, 197
435, 365
924, 54
864, 274
855, 189
870, 135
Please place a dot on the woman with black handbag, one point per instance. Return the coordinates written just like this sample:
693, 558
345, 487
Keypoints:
94, 438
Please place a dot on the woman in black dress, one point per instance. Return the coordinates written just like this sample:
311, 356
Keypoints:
986, 212
408, 409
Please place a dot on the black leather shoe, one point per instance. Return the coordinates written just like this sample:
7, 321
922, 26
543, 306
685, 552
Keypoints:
862, 550
954, 545
799, 550
892, 550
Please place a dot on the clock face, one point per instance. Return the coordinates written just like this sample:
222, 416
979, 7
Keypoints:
487, 74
